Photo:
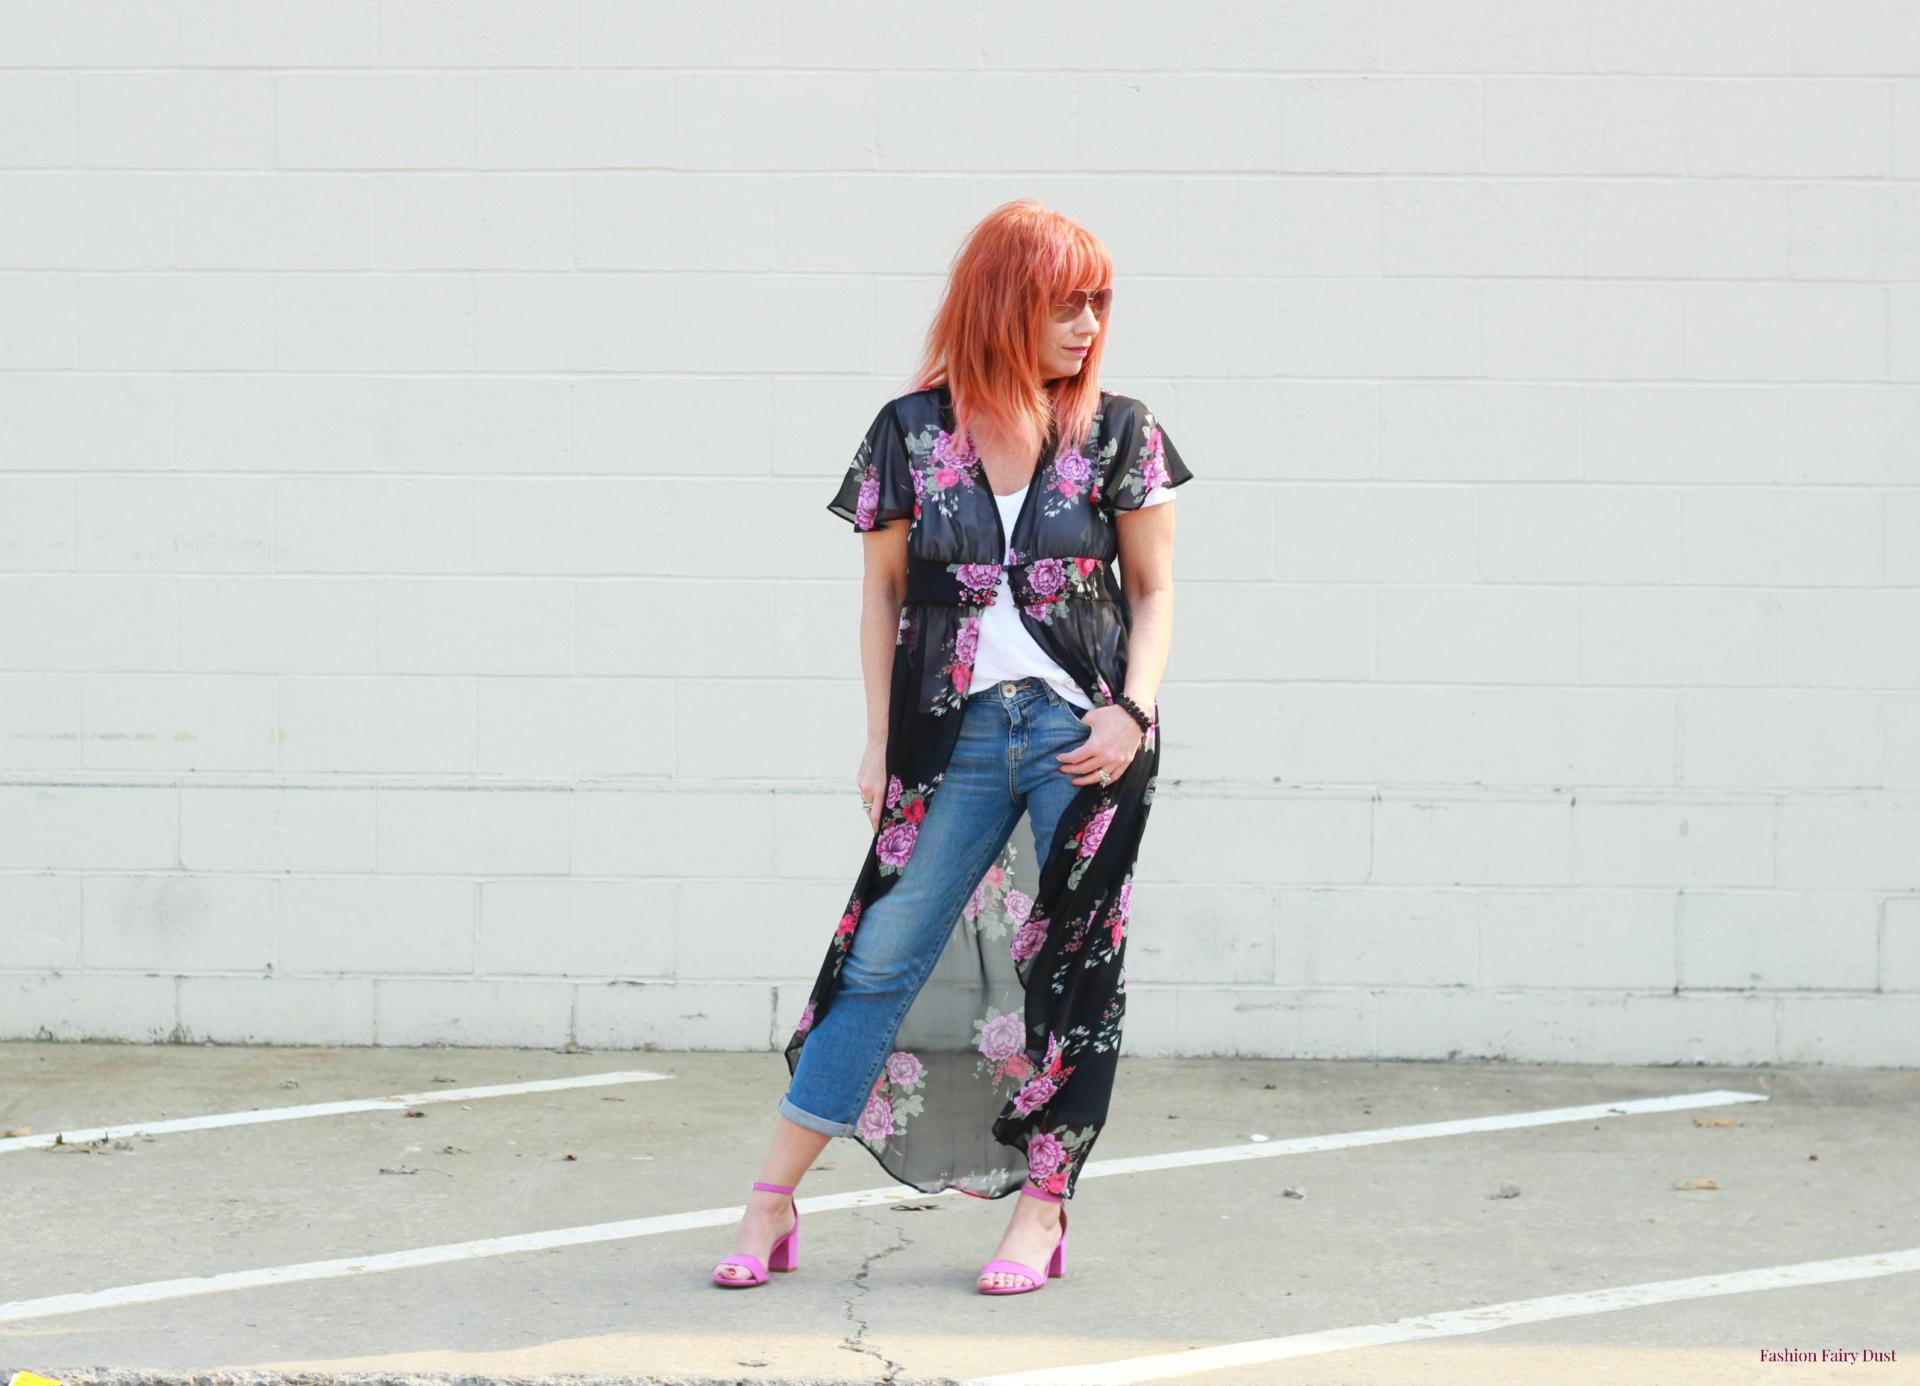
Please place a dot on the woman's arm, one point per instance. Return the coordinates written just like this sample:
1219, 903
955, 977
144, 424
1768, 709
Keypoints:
1145, 538
883, 589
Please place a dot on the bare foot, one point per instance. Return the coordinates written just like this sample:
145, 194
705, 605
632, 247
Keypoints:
769, 1217
1031, 1235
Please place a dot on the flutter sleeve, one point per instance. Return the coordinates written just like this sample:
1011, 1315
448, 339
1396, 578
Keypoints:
878, 485
1145, 462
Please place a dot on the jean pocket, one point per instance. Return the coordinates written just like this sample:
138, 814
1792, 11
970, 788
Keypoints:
1071, 713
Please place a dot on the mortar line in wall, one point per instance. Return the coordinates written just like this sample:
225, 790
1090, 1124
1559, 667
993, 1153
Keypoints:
1679, 767
1679, 911
677, 901
1879, 945
1773, 856
1646, 384
1670, 795
1651, 991
1587, 75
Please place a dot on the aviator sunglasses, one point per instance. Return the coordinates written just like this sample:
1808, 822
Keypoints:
1068, 308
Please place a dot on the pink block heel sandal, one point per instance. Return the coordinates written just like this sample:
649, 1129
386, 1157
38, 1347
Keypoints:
1056, 1265
783, 1255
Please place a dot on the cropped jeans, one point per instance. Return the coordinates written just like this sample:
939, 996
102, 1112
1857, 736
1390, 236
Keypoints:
1003, 760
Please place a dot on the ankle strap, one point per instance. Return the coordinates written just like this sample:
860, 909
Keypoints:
1039, 1193
772, 1188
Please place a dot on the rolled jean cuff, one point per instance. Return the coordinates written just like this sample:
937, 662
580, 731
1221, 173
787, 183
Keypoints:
814, 1123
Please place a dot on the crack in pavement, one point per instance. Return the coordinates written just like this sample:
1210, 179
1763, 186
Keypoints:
853, 1343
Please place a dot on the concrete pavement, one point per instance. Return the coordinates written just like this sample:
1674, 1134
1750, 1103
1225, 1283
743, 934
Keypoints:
555, 1215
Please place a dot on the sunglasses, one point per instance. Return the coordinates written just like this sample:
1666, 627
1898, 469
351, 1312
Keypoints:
1069, 308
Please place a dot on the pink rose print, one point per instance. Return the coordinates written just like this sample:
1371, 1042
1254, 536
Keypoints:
1032, 1094
876, 1122
868, 506
896, 844
1153, 463
966, 643
1027, 942
806, 1019
945, 477
981, 577
919, 485
1096, 830
1003, 1036
904, 1069
1047, 576
950, 451
1073, 466
893, 790
850, 920
1116, 928
1117, 920
1019, 905
1044, 1154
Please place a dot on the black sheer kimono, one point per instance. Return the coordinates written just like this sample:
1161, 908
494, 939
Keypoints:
1003, 1064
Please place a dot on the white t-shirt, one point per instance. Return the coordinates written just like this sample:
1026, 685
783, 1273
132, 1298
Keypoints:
1006, 651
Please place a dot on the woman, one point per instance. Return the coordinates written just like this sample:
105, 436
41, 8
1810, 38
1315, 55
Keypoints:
965, 1023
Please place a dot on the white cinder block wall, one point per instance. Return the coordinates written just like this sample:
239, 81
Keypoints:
420, 620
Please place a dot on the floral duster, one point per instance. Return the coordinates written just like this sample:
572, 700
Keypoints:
1003, 1064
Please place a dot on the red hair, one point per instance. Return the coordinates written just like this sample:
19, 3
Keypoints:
985, 341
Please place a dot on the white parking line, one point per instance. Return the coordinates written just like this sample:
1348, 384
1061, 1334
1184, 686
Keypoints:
151, 1291
1485, 1318
1386, 1135
320, 1109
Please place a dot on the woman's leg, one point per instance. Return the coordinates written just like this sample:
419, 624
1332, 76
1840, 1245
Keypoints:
894, 950
769, 1216
900, 936
1046, 726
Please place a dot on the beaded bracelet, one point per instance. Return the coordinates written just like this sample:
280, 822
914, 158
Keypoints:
1133, 711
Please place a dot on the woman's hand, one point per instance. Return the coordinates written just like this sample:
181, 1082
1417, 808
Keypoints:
1115, 740
872, 780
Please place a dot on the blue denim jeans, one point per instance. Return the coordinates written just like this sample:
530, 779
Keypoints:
1003, 761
